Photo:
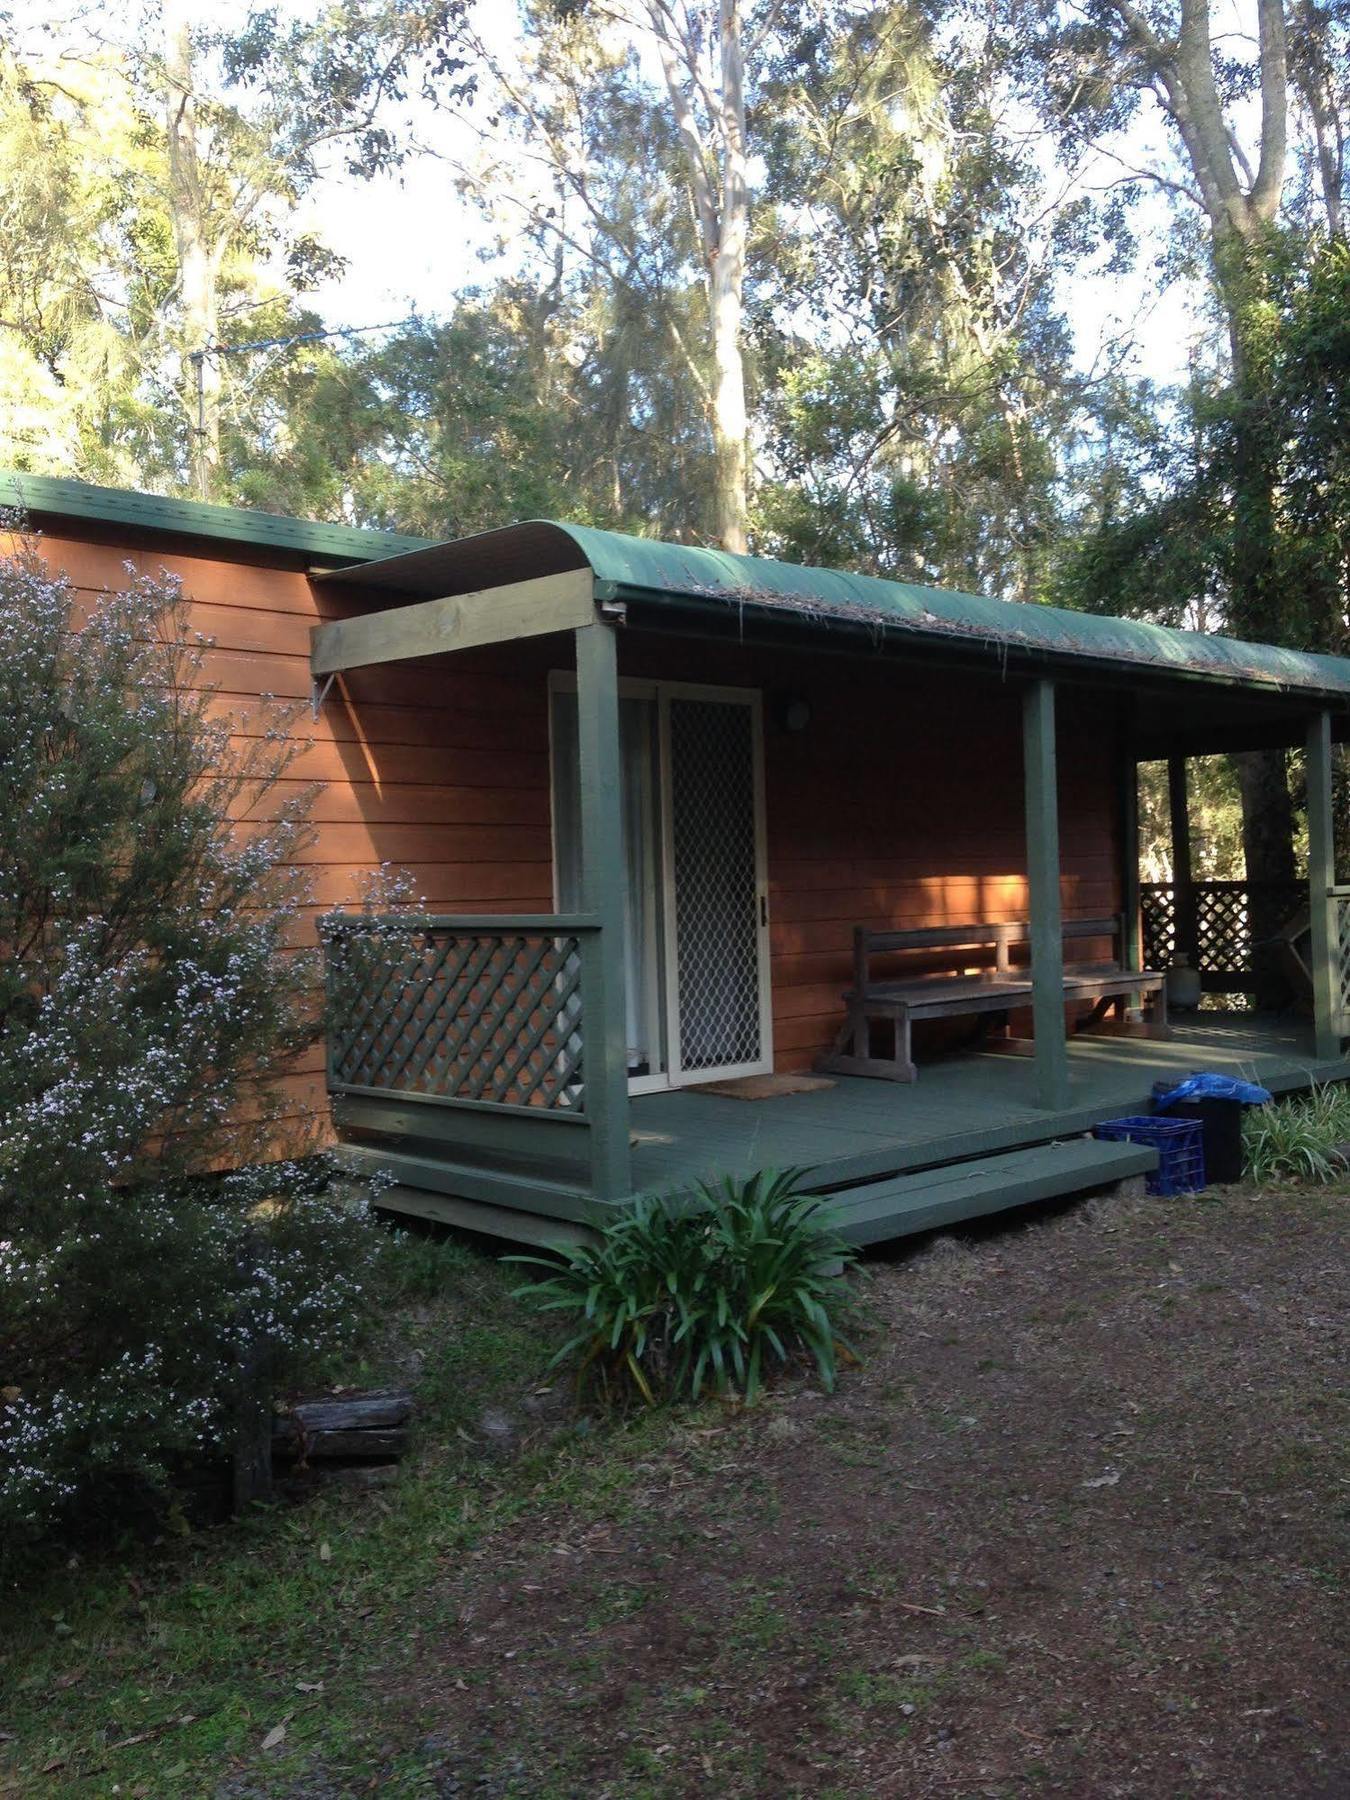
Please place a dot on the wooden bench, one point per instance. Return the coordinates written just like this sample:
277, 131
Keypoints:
998, 989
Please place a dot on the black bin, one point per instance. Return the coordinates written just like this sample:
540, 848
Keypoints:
1221, 1123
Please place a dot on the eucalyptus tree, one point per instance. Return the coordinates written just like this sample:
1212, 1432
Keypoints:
199, 145
1234, 108
521, 401
1319, 71
916, 366
618, 135
247, 138
70, 153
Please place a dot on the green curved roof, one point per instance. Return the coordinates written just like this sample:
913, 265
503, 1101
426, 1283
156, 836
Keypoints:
688, 574
645, 565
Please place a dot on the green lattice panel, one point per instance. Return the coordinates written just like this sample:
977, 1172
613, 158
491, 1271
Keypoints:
1223, 929
493, 1017
1158, 923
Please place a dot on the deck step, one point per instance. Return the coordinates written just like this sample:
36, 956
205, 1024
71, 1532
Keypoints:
900, 1205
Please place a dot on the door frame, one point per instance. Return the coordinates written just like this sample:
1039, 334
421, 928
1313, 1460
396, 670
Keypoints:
754, 701
661, 888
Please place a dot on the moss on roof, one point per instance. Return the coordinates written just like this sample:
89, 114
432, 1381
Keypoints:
641, 565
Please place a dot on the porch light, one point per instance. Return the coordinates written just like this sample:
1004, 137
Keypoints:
793, 712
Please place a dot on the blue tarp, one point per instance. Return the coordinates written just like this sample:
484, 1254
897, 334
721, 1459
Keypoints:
1212, 1087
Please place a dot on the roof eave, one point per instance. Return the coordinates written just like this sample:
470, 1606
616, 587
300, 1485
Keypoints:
663, 608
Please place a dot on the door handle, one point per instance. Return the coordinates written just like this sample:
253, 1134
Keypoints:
764, 909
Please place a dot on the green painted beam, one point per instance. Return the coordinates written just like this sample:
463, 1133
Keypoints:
1047, 924
1186, 929
505, 1222
420, 1167
1128, 778
603, 880
1323, 908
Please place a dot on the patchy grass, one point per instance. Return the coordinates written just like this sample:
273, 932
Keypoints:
1078, 1525
154, 1674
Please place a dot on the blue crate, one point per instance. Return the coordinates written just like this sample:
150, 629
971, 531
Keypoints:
1180, 1144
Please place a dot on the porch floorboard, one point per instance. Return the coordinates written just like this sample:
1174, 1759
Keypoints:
972, 1104
965, 1107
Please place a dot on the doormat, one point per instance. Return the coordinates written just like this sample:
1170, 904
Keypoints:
765, 1087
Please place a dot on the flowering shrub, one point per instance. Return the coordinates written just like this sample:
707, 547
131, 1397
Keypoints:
151, 995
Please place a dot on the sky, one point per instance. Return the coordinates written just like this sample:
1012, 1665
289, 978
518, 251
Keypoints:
412, 243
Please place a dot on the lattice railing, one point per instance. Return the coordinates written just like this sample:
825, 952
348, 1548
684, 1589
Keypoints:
1228, 919
479, 1011
1223, 928
1158, 924
1341, 951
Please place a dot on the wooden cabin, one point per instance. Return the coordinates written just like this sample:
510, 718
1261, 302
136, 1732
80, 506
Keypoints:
725, 864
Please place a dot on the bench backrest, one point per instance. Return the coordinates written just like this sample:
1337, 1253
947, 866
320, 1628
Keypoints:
999, 938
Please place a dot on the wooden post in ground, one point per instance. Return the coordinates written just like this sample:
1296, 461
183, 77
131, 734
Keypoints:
1047, 940
604, 1007
1323, 907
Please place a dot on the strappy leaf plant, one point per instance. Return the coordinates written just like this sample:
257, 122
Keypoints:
686, 1296
1302, 1139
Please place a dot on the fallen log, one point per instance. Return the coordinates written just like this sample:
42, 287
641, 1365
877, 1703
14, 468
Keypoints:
352, 1428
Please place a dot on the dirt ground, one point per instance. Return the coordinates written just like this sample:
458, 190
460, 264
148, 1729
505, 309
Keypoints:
1076, 1525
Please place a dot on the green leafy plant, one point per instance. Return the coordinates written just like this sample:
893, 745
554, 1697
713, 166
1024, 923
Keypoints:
1297, 1140
683, 1296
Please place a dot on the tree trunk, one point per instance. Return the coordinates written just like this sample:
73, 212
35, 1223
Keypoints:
1240, 217
1312, 70
197, 261
726, 290
730, 450
723, 214
1268, 848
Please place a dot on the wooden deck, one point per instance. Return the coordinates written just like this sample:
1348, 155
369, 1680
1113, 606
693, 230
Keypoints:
965, 1140
963, 1106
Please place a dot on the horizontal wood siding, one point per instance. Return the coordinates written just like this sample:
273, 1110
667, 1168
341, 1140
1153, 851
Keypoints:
438, 768
899, 805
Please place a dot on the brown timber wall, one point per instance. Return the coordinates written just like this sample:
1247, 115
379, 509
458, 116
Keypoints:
900, 804
437, 768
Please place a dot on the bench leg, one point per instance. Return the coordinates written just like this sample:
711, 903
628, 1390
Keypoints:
1153, 1024
852, 1052
904, 1059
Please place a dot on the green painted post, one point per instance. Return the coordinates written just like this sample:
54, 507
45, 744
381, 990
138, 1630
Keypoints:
1323, 907
1186, 924
1131, 950
1047, 925
604, 1007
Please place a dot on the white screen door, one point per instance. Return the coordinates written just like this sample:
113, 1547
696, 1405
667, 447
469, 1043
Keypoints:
716, 915
697, 967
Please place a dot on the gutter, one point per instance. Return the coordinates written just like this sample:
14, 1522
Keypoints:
801, 625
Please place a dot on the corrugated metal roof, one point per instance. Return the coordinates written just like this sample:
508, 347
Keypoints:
717, 579
399, 564
56, 496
